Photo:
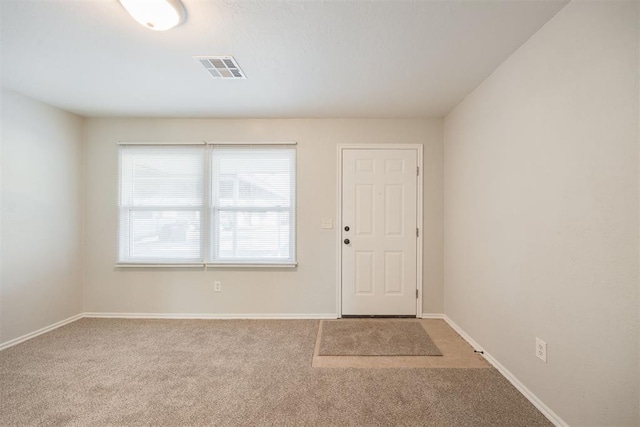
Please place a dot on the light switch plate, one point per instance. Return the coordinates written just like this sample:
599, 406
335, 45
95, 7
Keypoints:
326, 223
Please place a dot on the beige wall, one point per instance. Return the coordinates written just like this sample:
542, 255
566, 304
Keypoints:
541, 213
308, 290
41, 216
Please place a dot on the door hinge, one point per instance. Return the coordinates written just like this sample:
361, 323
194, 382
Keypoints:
417, 232
418, 170
416, 294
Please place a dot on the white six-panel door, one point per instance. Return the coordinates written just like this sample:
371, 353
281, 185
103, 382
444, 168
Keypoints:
379, 225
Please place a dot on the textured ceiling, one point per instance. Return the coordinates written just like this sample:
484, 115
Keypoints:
302, 59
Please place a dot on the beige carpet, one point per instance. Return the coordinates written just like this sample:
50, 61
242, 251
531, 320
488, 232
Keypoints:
381, 337
232, 372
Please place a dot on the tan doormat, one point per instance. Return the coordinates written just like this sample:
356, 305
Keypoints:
373, 337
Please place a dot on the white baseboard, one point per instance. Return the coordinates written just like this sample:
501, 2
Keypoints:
463, 334
210, 316
432, 316
546, 411
40, 331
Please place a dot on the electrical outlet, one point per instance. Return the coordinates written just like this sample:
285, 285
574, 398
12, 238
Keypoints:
217, 286
541, 350
326, 223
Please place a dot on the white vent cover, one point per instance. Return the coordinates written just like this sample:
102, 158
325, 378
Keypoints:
221, 67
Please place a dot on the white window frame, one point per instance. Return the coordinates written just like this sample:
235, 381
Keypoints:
207, 240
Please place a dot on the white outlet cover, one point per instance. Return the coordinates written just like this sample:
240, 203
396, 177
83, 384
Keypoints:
541, 350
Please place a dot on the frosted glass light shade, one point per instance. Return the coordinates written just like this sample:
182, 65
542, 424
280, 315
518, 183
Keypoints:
158, 15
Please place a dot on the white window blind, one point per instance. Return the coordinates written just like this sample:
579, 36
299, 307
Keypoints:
161, 204
252, 210
219, 204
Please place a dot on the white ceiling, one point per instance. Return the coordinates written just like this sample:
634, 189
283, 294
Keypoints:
302, 58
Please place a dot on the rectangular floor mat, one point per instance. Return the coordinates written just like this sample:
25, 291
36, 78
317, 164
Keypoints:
367, 337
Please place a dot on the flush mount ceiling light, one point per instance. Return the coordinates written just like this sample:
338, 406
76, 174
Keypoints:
159, 15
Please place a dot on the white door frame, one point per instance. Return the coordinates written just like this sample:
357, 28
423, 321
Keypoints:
419, 217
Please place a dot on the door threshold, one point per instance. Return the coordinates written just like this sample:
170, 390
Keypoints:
378, 316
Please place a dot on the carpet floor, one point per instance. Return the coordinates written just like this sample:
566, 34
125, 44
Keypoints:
232, 372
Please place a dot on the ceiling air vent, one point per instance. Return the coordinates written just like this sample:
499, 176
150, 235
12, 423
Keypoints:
221, 67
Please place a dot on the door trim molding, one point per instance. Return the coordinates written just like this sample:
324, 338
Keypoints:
419, 217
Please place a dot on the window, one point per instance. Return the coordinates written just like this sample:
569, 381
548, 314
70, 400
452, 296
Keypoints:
161, 204
252, 205
215, 204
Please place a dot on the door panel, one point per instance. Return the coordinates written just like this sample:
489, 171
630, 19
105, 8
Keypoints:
364, 261
379, 205
365, 210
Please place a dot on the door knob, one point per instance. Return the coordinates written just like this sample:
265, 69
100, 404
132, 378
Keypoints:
346, 228
346, 241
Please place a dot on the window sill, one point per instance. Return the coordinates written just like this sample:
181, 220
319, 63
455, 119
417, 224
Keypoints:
254, 265
158, 265
208, 266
